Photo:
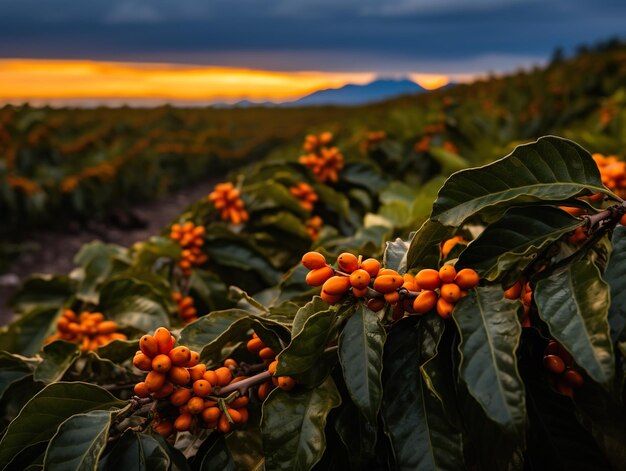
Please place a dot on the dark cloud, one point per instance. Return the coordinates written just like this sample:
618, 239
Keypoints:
385, 36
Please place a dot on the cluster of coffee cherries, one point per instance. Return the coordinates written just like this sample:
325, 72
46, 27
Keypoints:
559, 362
191, 239
89, 329
314, 226
325, 162
256, 346
305, 194
428, 289
227, 200
186, 308
521, 290
184, 386
613, 173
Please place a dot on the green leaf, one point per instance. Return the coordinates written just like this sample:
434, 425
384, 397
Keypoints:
574, 302
421, 435
40, 417
217, 457
42, 290
314, 306
449, 161
396, 253
424, 249
79, 442
550, 169
490, 335
95, 261
361, 346
358, 436
136, 451
12, 369
615, 276
131, 301
506, 247
293, 426
307, 347
206, 329
118, 351
57, 357
365, 175
26, 335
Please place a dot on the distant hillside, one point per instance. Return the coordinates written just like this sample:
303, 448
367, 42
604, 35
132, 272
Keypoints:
350, 94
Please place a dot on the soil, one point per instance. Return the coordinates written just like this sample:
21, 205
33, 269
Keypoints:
53, 250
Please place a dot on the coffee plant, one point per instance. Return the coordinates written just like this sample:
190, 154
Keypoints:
490, 335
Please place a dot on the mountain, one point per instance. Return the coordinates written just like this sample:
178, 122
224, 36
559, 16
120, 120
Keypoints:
351, 94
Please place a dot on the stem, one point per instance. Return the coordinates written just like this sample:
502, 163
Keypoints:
593, 220
243, 385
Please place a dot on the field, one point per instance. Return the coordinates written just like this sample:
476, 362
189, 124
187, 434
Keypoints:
433, 282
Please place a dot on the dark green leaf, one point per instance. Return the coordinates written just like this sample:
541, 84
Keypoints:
12, 369
293, 426
95, 261
421, 435
549, 169
57, 357
424, 249
26, 335
395, 256
208, 328
361, 346
490, 335
79, 442
508, 246
41, 416
217, 457
118, 351
574, 302
615, 276
42, 290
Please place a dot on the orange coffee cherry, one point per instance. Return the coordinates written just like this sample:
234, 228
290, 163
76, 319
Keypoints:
565, 388
164, 340
180, 396
319, 276
224, 376
449, 244
166, 390
375, 304
348, 262
467, 278
271, 368
211, 377
444, 308
336, 285
244, 415
183, 422
514, 291
425, 302
360, 279
202, 388
255, 345
142, 361
106, 327
240, 402
371, 266
267, 353
155, 381
450, 292
574, 378
149, 346
313, 260
194, 360
180, 356
230, 363
286, 383
392, 297
554, 364
622, 220
163, 428
179, 375
197, 372
161, 363
223, 425
195, 405
141, 389
389, 271
428, 279
264, 390
211, 414
388, 283
329, 298
447, 273
359, 293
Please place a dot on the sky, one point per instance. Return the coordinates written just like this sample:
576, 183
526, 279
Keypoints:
225, 50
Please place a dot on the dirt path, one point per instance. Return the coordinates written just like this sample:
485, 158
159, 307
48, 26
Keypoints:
57, 249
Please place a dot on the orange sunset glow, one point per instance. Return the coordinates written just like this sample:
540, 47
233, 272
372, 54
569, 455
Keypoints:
41, 80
